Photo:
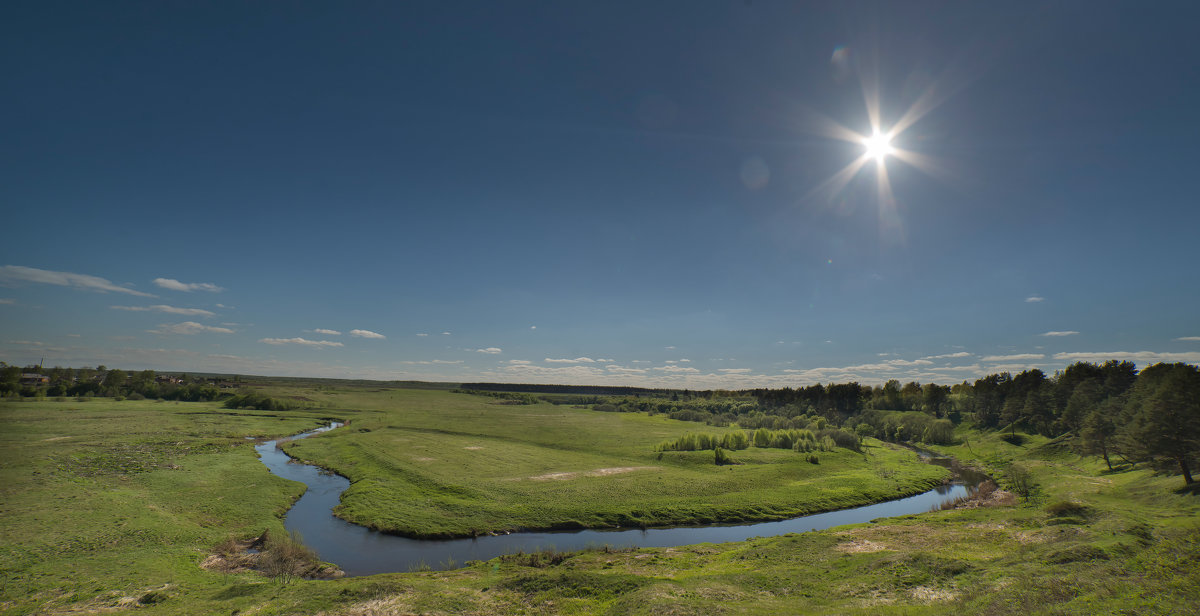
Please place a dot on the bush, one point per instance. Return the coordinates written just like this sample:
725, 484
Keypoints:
1021, 480
720, 458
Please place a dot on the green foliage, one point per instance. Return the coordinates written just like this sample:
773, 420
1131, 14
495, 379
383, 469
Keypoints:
721, 457
256, 400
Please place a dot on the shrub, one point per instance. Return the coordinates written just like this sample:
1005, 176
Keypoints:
1021, 480
720, 458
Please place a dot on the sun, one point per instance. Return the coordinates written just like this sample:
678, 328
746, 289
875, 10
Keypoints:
878, 145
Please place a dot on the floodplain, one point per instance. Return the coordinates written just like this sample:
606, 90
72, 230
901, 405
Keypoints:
112, 506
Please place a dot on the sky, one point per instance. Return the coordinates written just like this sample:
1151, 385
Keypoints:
652, 194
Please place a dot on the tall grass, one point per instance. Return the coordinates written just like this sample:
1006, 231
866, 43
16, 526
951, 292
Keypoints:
801, 440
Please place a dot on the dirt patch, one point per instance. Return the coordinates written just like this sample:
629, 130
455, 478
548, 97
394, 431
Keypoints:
599, 472
929, 594
255, 555
860, 546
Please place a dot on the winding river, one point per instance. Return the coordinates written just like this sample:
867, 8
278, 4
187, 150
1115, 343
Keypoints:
361, 551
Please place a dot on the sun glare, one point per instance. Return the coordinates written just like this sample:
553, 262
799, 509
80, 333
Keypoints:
878, 145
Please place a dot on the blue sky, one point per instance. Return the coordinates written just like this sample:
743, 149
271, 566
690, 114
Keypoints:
599, 193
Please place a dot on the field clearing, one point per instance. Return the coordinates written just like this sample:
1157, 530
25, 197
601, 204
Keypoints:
109, 507
437, 464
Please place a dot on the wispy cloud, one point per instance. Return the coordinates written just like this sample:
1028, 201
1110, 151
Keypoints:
10, 274
490, 350
175, 285
1033, 299
26, 342
577, 360
8, 301
1016, 357
187, 328
445, 333
302, 342
187, 312
364, 333
434, 362
422, 335
1140, 357
520, 361
674, 368
949, 355
1183, 339
734, 370
1054, 334
327, 332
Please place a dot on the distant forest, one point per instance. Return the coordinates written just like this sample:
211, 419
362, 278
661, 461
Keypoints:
1110, 410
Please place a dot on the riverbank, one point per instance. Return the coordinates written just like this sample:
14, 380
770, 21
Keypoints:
360, 551
431, 464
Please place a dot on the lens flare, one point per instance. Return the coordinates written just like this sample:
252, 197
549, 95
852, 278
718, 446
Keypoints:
878, 145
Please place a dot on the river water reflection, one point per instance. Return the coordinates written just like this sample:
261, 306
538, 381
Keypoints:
360, 551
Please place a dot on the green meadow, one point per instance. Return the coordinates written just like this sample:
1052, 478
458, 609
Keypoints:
110, 507
437, 464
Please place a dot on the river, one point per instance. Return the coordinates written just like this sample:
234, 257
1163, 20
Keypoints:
358, 550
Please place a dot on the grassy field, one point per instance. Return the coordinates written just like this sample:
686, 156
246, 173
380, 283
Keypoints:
111, 506
439, 464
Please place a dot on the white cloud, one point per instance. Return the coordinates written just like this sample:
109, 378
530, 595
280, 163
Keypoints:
445, 333
175, 285
520, 361
1033, 299
16, 274
327, 332
25, 342
490, 350
1054, 334
676, 369
577, 360
949, 355
533, 327
187, 328
363, 333
422, 335
187, 312
1140, 357
734, 370
8, 301
606, 360
670, 348
1183, 339
302, 341
685, 360
1016, 357
435, 362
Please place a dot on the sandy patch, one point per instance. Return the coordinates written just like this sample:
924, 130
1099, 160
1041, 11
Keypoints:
860, 546
599, 472
929, 594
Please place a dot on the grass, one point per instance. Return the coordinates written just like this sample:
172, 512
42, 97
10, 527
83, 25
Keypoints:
111, 507
436, 464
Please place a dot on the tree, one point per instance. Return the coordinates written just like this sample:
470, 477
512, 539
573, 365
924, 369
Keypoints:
1084, 399
1164, 415
1098, 428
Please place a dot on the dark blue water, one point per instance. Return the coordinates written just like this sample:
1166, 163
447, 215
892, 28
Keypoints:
360, 551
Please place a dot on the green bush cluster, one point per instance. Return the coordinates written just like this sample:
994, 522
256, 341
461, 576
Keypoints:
253, 400
801, 440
